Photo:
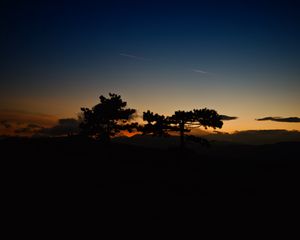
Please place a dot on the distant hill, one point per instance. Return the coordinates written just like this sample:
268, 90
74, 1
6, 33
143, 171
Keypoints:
257, 137
149, 141
250, 137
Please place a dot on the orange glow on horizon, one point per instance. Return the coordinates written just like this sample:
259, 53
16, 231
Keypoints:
19, 120
16, 122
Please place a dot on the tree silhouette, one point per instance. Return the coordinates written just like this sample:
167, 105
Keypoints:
183, 122
157, 125
107, 118
179, 121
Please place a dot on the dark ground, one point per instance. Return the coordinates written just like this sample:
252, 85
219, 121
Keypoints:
124, 169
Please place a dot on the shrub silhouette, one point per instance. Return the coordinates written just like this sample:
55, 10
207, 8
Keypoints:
107, 118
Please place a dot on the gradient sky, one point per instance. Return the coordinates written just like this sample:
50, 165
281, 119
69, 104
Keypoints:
241, 58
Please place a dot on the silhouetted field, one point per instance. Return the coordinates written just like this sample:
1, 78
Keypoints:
123, 168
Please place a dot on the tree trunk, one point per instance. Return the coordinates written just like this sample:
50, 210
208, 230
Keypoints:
108, 133
181, 129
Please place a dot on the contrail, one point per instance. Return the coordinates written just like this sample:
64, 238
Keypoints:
134, 57
199, 71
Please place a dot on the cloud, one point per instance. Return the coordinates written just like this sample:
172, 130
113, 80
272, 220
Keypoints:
5, 124
134, 57
227, 118
280, 119
23, 130
199, 71
20, 117
31, 128
65, 126
23, 122
32, 125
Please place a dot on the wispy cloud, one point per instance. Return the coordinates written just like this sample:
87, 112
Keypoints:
134, 57
199, 71
280, 119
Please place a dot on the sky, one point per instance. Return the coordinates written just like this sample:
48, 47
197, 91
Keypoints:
240, 58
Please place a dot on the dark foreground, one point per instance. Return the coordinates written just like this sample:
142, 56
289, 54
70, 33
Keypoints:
121, 169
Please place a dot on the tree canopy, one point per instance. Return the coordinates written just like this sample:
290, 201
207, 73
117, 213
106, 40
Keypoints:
110, 117
107, 118
182, 122
158, 125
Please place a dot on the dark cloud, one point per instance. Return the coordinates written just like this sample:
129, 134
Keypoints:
5, 123
33, 125
19, 122
280, 119
31, 128
68, 122
227, 118
23, 130
64, 127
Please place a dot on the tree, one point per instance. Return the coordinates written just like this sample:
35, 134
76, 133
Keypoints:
185, 121
179, 121
107, 118
182, 122
157, 125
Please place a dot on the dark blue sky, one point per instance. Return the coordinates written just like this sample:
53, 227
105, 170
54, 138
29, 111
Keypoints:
216, 53
79, 33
